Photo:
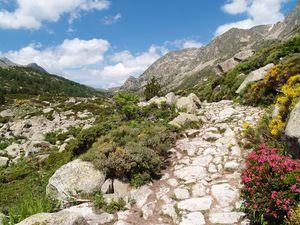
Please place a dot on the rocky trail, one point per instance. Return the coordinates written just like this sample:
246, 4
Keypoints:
202, 184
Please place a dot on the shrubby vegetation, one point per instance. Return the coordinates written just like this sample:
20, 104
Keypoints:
152, 89
216, 88
271, 185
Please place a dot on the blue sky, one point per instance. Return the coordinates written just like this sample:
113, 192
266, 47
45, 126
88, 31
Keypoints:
102, 42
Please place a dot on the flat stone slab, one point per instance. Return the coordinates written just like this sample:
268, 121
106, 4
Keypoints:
194, 218
196, 204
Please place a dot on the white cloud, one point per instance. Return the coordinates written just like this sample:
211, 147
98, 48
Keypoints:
87, 61
192, 44
184, 43
235, 6
108, 20
30, 14
71, 54
258, 12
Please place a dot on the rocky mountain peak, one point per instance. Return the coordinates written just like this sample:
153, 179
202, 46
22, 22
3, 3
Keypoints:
173, 68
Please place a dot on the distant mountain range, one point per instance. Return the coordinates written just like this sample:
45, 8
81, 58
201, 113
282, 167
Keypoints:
32, 79
175, 67
6, 63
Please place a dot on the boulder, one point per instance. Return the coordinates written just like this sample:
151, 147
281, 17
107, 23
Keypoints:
86, 211
76, 176
184, 119
292, 129
194, 218
121, 188
243, 55
254, 76
47, 110
157, 100
227, 65
190, 103
7, 113
171, 98
61, 218
3, 161
13, 150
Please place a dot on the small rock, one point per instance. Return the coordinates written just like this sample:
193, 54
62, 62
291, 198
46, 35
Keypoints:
231, 166
181, 193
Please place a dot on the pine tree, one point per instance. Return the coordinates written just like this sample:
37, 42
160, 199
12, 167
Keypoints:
152, 89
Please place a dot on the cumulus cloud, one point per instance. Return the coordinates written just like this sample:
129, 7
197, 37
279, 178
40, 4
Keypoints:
88, 61
71, 54
108, 20
30, 14
258, 12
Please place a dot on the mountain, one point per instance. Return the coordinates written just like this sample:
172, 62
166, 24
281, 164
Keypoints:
37, 67
6, 63
174, 68
34, 80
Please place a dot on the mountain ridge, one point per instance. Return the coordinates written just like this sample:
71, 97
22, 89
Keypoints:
173, 68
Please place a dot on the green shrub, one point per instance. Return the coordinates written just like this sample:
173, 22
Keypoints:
152, 89
115, 206
2, 97
126, 104
99, 200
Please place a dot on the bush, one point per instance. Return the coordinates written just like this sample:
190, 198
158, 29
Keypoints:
285, 103
135, 152
271, 185
2, 97
127, 104
152, 89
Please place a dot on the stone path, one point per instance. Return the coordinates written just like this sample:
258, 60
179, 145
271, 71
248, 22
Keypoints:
202, 183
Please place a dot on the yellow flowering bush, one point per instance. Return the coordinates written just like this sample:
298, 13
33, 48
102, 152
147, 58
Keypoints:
285, 103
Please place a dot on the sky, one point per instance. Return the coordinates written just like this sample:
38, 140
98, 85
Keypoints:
100, 43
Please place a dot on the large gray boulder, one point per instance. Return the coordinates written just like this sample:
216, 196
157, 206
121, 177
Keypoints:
292, 129
61, 218
190, 103
76, 176
254, 76
184, 119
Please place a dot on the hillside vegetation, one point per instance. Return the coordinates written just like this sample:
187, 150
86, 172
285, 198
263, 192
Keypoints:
27, 81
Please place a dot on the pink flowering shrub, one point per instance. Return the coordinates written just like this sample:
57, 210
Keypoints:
271, 185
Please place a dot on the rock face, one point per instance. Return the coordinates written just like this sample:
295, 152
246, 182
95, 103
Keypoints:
62, 218
292, 129
74, 177
254, 76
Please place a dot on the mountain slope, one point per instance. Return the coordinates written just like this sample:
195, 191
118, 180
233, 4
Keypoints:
31, 81
175, 67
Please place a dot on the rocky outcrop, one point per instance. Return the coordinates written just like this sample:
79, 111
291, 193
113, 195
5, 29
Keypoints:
229, 64
61, 218
184, 119
190, 104
292, 129
254, 76
74, 177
